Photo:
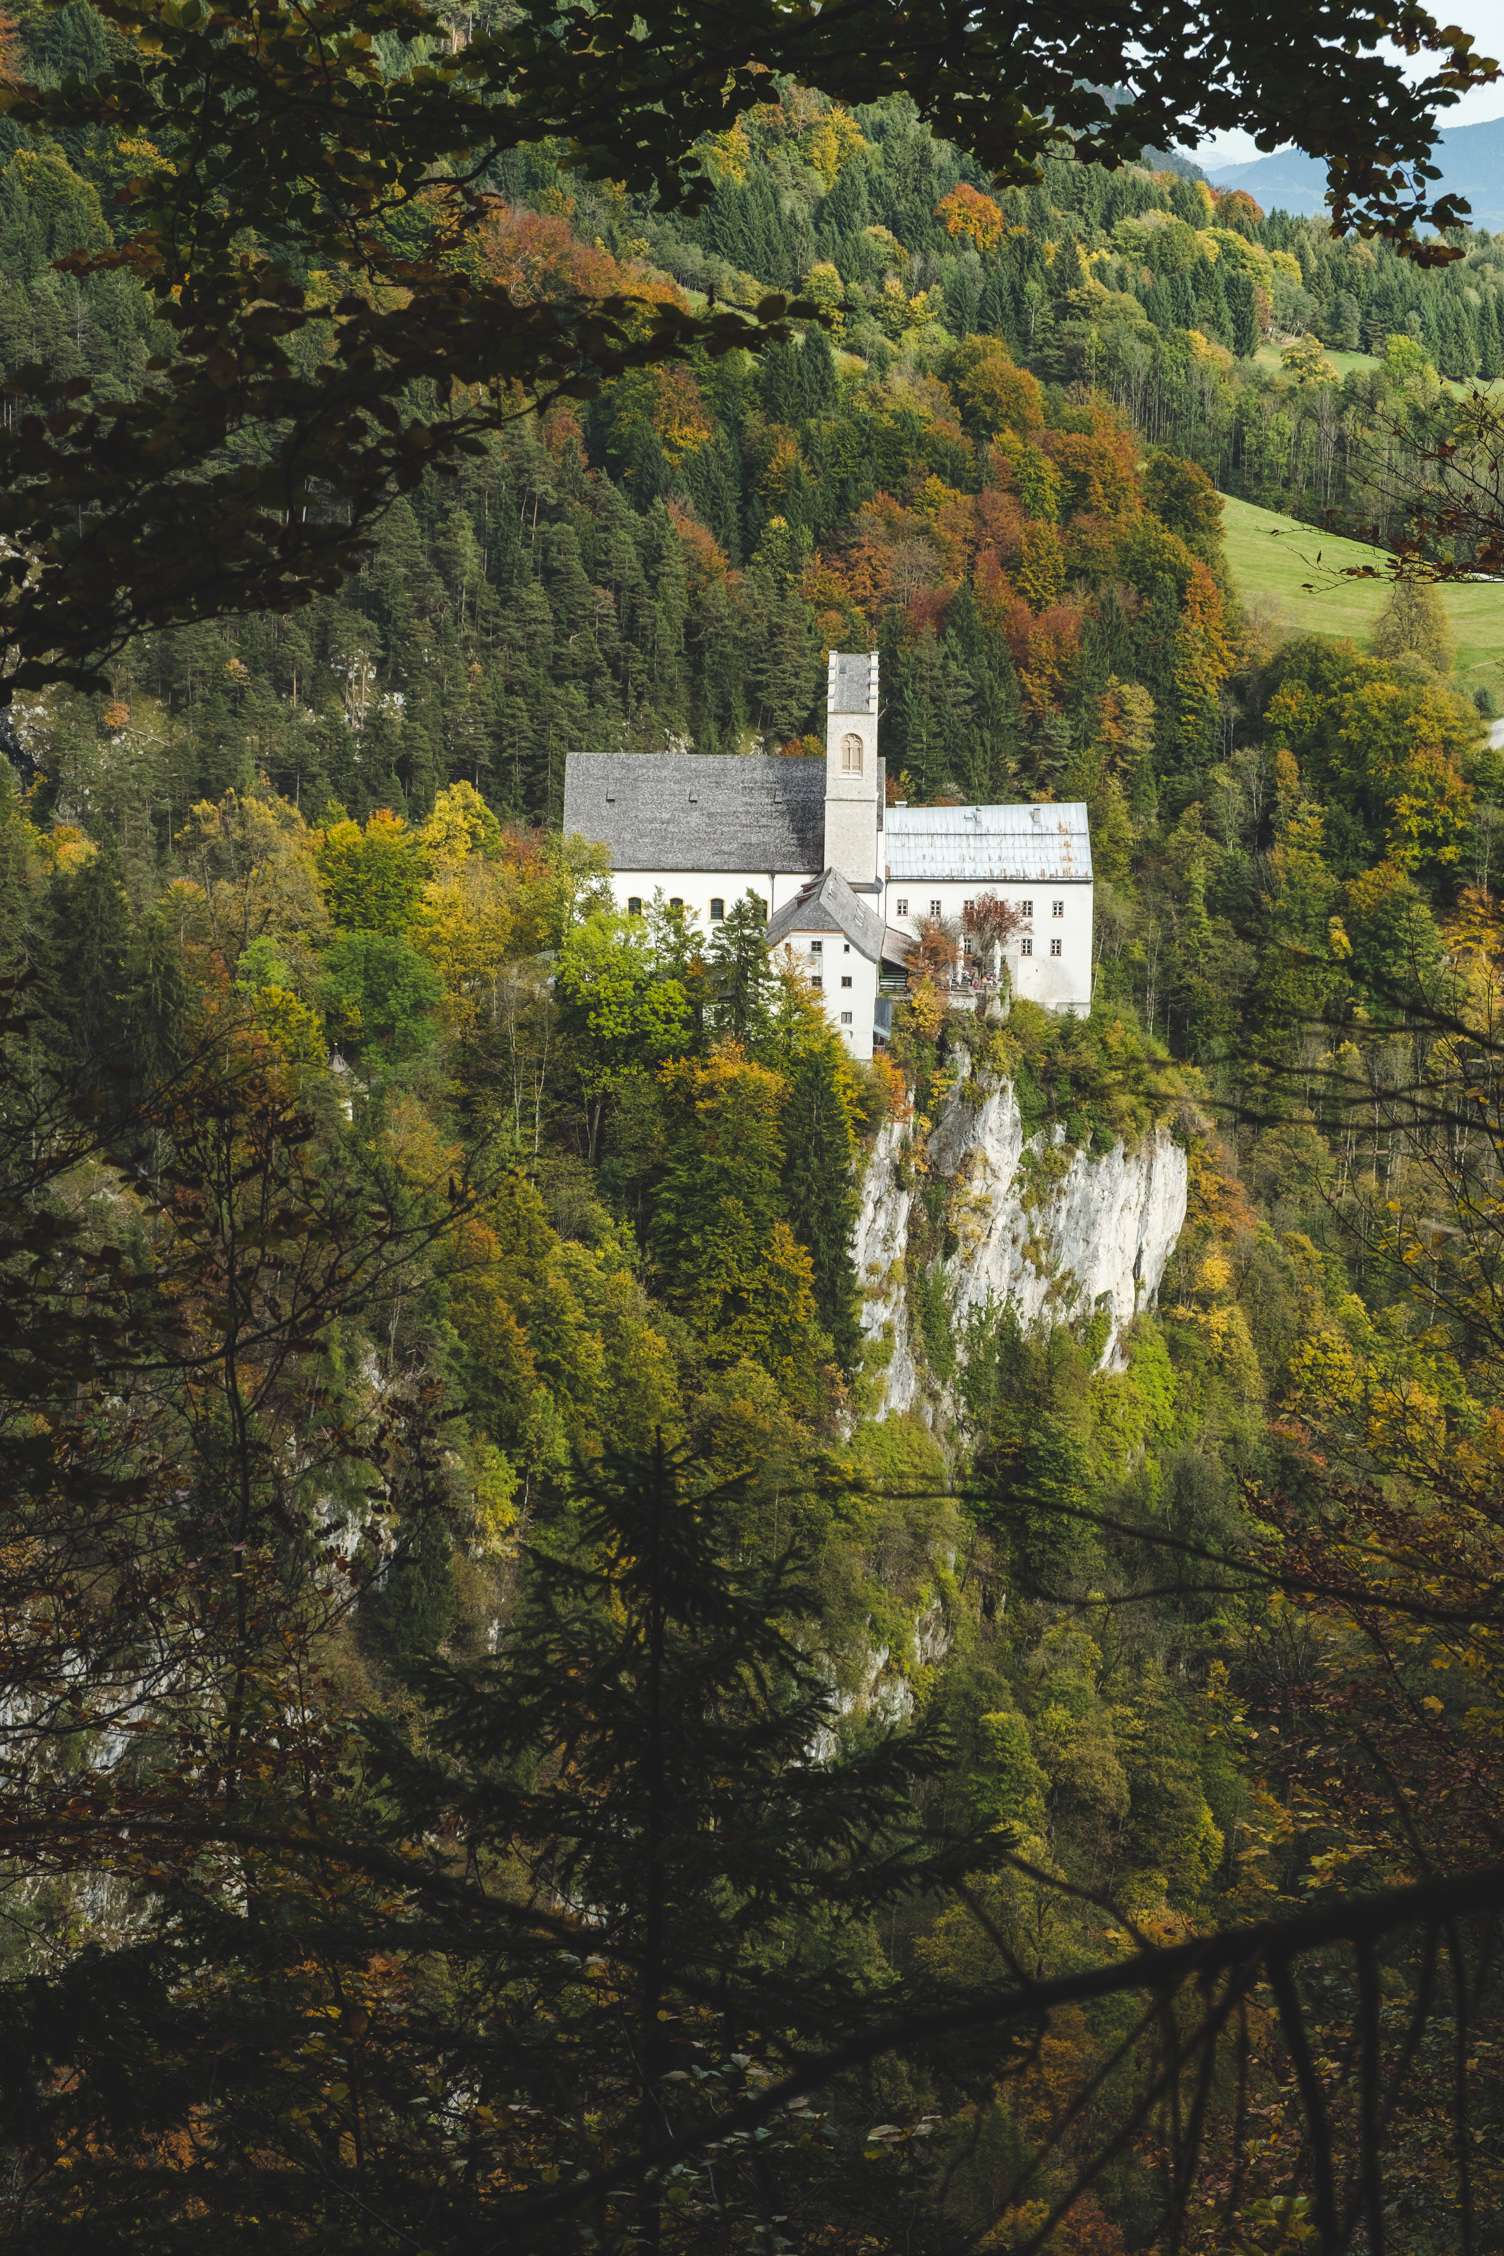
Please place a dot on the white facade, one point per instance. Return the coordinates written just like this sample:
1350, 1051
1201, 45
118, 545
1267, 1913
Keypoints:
704, 899
844, 978
902, 864
1048, 958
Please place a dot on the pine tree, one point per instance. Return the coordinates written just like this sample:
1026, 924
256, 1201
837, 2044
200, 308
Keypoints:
739, 976
1242, 310
593, 1890
85, 962
641, 1744
819, 1188
1490, 338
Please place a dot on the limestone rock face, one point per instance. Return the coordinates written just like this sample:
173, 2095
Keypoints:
881, 1252
1053, 1233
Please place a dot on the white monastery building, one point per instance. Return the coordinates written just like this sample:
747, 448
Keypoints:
844, 880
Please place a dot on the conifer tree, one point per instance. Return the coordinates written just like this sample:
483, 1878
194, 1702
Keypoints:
85, 961
820, 1188
739, 976
594, 1889
1490, 339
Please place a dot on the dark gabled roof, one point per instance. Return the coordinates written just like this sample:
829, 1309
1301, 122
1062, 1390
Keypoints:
699, 810
830, 906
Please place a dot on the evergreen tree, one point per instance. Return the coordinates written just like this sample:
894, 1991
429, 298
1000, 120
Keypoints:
739, 976
1242, 313
661, 1898
85, 964
819, 1188
1490, 338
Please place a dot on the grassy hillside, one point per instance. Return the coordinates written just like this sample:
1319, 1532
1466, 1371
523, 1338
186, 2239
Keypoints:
1269, 357
1290, 575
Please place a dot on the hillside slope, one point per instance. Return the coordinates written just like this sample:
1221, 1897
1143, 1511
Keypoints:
1291, 578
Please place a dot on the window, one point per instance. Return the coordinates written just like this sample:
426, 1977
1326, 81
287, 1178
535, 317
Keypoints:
845, 1018
817, 981
900, 908
967, 945
634, 904
1026, 908
1055, 947
1057, 908
845, 947
817, 947
851, 754
1026, 947
937, 908
676, 900
845, 979
717, 911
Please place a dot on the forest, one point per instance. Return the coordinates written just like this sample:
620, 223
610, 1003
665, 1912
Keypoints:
508, 1738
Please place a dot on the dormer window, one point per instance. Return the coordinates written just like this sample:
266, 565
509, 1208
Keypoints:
851, 753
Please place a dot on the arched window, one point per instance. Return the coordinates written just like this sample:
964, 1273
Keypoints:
717, 909
851, 754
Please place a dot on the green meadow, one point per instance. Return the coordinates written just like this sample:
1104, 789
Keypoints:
1268, 357
1292, 577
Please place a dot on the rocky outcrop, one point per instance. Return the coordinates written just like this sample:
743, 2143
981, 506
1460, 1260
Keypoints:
881, 1251
1057, 1234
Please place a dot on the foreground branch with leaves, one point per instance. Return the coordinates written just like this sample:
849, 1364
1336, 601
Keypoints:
306, 213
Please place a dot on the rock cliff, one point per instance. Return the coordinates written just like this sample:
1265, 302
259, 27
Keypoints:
1053, 1232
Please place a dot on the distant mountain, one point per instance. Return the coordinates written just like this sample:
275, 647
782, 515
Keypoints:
1171, 160
1471, 158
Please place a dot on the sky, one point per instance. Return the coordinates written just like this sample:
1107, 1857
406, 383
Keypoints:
1483, 18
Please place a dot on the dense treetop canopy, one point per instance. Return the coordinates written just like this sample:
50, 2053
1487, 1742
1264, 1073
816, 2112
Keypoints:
299, 192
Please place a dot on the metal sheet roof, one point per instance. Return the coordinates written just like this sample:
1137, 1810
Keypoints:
830, 906
990, 845
853, 682
699, 810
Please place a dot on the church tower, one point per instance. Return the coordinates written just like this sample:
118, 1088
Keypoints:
853, 780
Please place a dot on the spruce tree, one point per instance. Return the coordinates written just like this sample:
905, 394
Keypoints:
1490, 338
820, 1189
1242, 312
500, 1982
739, 976
85, 963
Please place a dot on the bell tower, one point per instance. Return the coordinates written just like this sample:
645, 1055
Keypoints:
853, 781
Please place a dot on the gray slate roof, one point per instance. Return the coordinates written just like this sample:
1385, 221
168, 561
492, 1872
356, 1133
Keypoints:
830, 905
852, 687
699, 810
990, 844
